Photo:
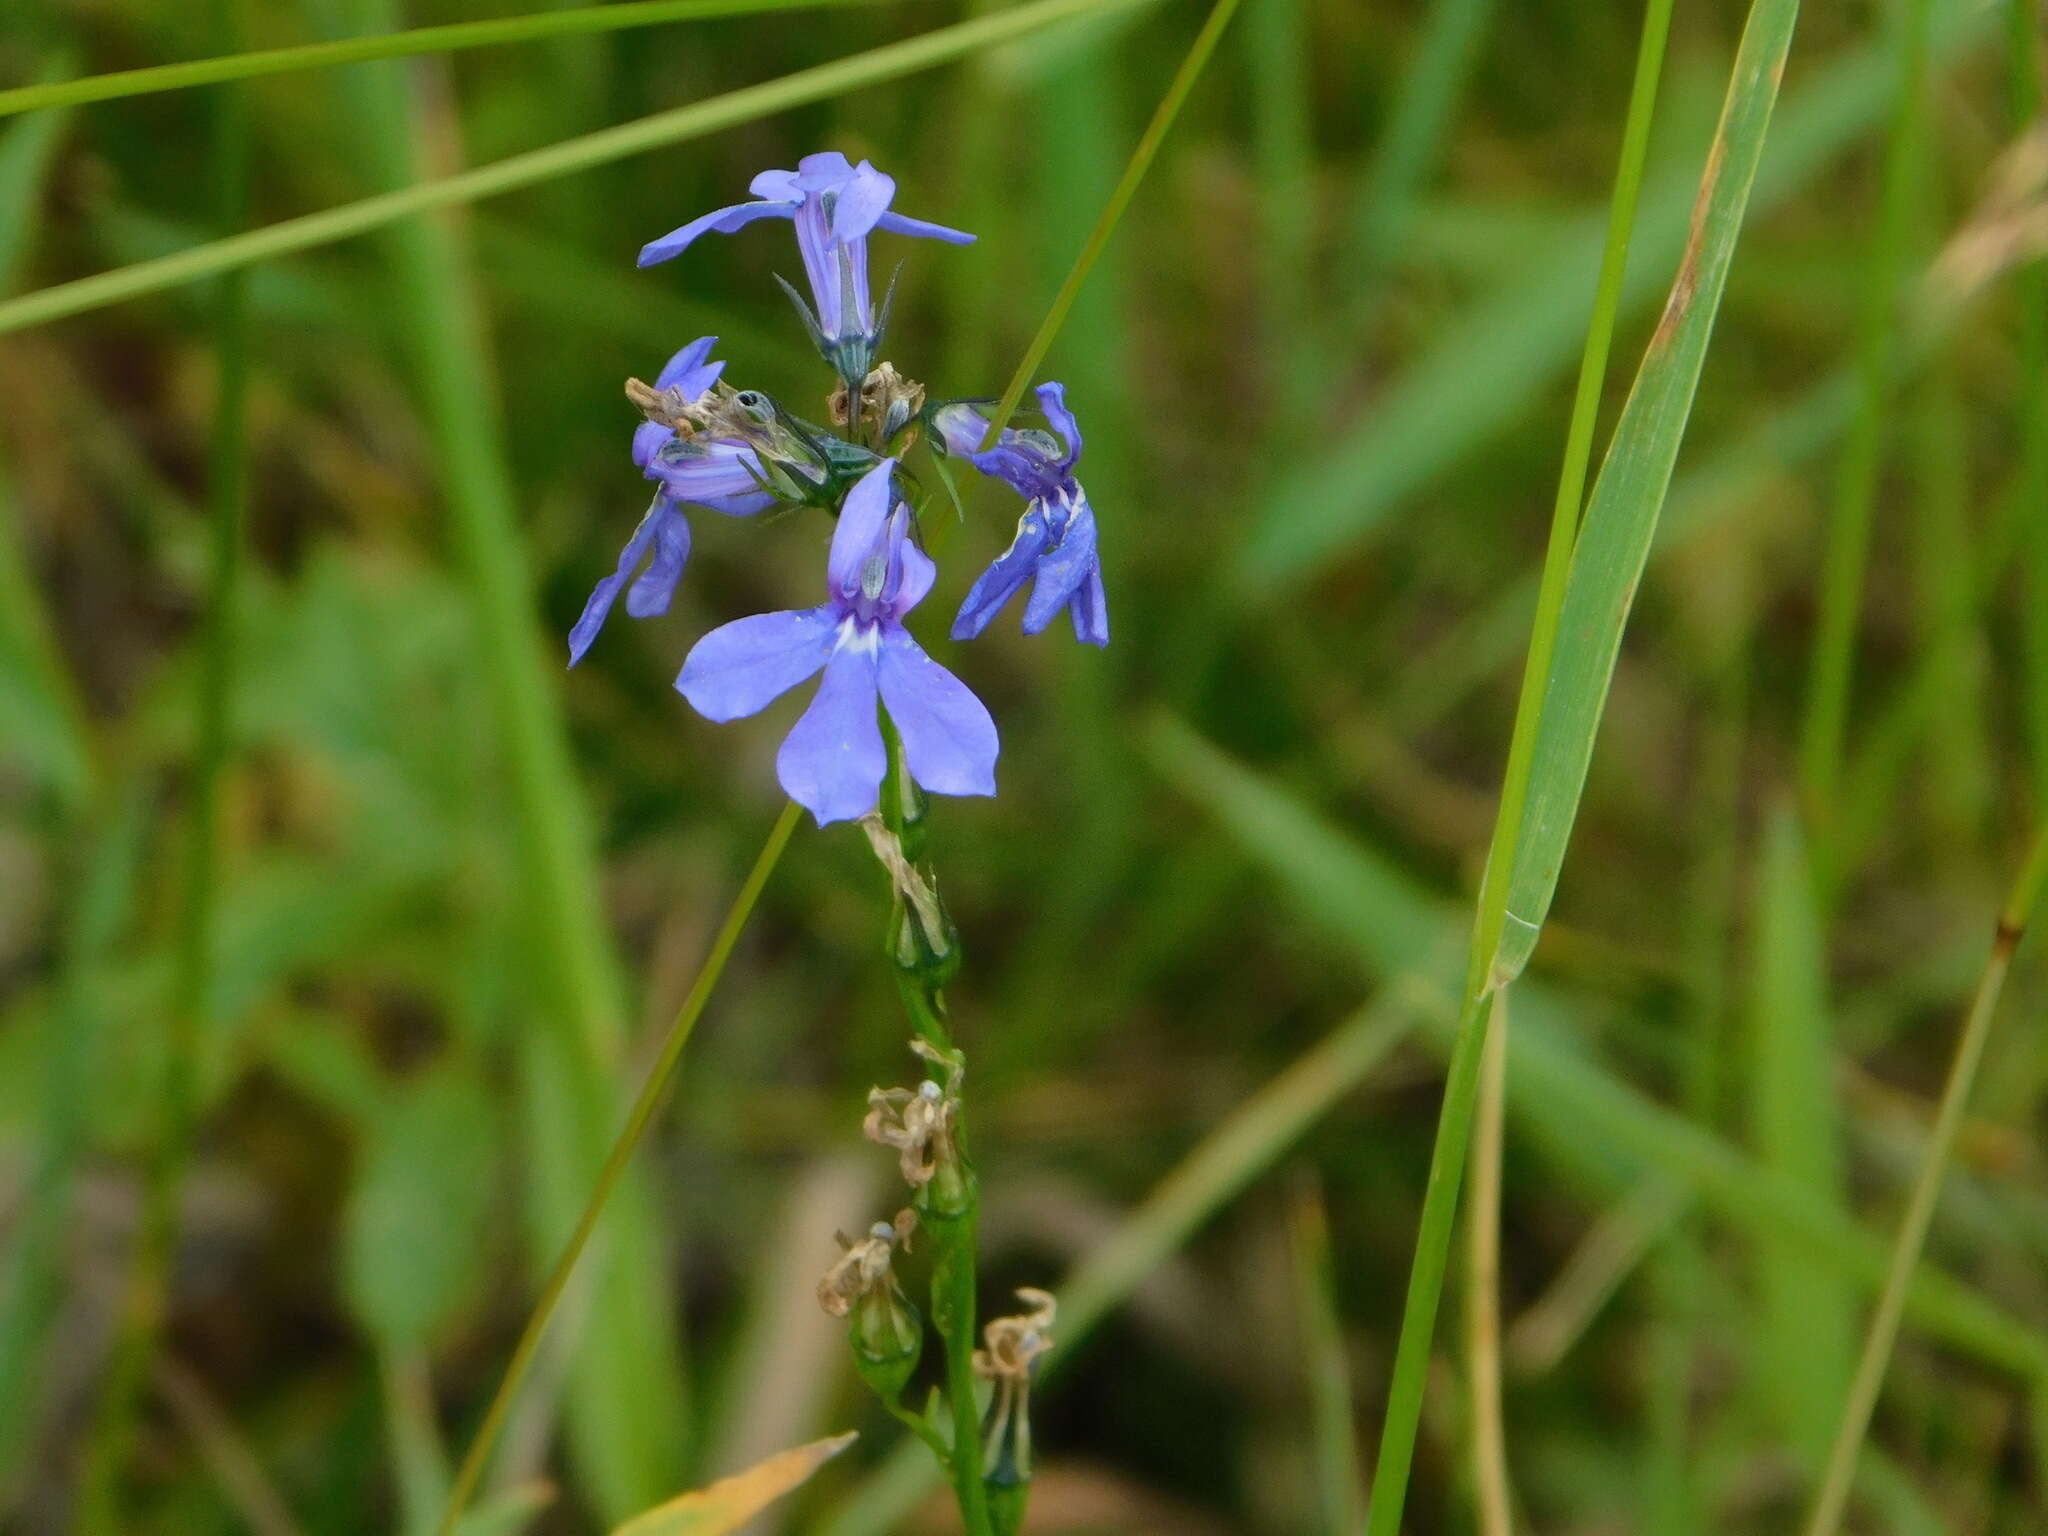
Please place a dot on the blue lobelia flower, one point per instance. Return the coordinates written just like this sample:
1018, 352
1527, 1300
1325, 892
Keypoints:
835, 204
1055, 543
721, 475
832, 761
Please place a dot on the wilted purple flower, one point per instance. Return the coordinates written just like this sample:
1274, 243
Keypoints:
835, 205
1055, 543
720, 475
832, 761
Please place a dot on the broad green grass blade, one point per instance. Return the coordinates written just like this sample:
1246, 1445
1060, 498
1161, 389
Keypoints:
626, 1388
1832, 1499
1581, 1112
227, 503
1340, 1484
1621, 519
1853, 508
451, 38
1277, 64
1219, 1168
1487, 367
889, 62
1803, 1344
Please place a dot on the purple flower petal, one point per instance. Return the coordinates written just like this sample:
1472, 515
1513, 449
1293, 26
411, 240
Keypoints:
647, 440
1052, 399
597, 608
721, 475
917, 572
778, 186
861, 520
832, 761
739, 668
862, 199
899, 224
821, 172
1001, 581
657, 584
1062, 569
949, 741
688, 371
961, 428
723, 220
1090, 611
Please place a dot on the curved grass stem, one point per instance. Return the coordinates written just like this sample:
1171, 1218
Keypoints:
637, 1120
1832, 1499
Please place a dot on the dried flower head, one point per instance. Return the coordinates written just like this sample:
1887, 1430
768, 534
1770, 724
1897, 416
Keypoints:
1015, 1343
918, 1122
865, 1267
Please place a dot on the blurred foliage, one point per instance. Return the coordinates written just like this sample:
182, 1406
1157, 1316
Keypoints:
1324, 372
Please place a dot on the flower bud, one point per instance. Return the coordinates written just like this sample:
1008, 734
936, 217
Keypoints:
884, 1329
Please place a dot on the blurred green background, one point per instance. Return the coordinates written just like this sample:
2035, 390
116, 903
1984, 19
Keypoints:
1324, 371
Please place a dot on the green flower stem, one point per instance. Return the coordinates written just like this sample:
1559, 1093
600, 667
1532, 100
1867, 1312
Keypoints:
1832, 1500
676, 126
1454, 1124
953, 1282
390, 45
615, 1164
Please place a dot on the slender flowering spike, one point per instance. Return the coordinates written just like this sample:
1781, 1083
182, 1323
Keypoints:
1055, 544
719, 475
833, 760
835, 205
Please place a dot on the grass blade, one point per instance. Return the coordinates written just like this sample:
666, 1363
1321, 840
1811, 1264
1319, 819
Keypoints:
1832, 1499
678, 125
1825, 724
1803, 1313
626, 1391
392, 45
1622, 517
1340, 1485
1482, 1290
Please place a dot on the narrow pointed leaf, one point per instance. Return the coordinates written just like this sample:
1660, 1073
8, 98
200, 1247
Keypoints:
731, 1502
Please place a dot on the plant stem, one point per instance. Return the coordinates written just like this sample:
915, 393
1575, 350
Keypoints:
1447, 1159
637, 1120
953, 1272
1482, 1294
1832, 1500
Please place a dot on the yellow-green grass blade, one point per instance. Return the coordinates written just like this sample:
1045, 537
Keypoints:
1582, 1114
451, 38
2030, 403
626, 1393
1621, 519
1803, 1341
1340, 1483
676, 126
